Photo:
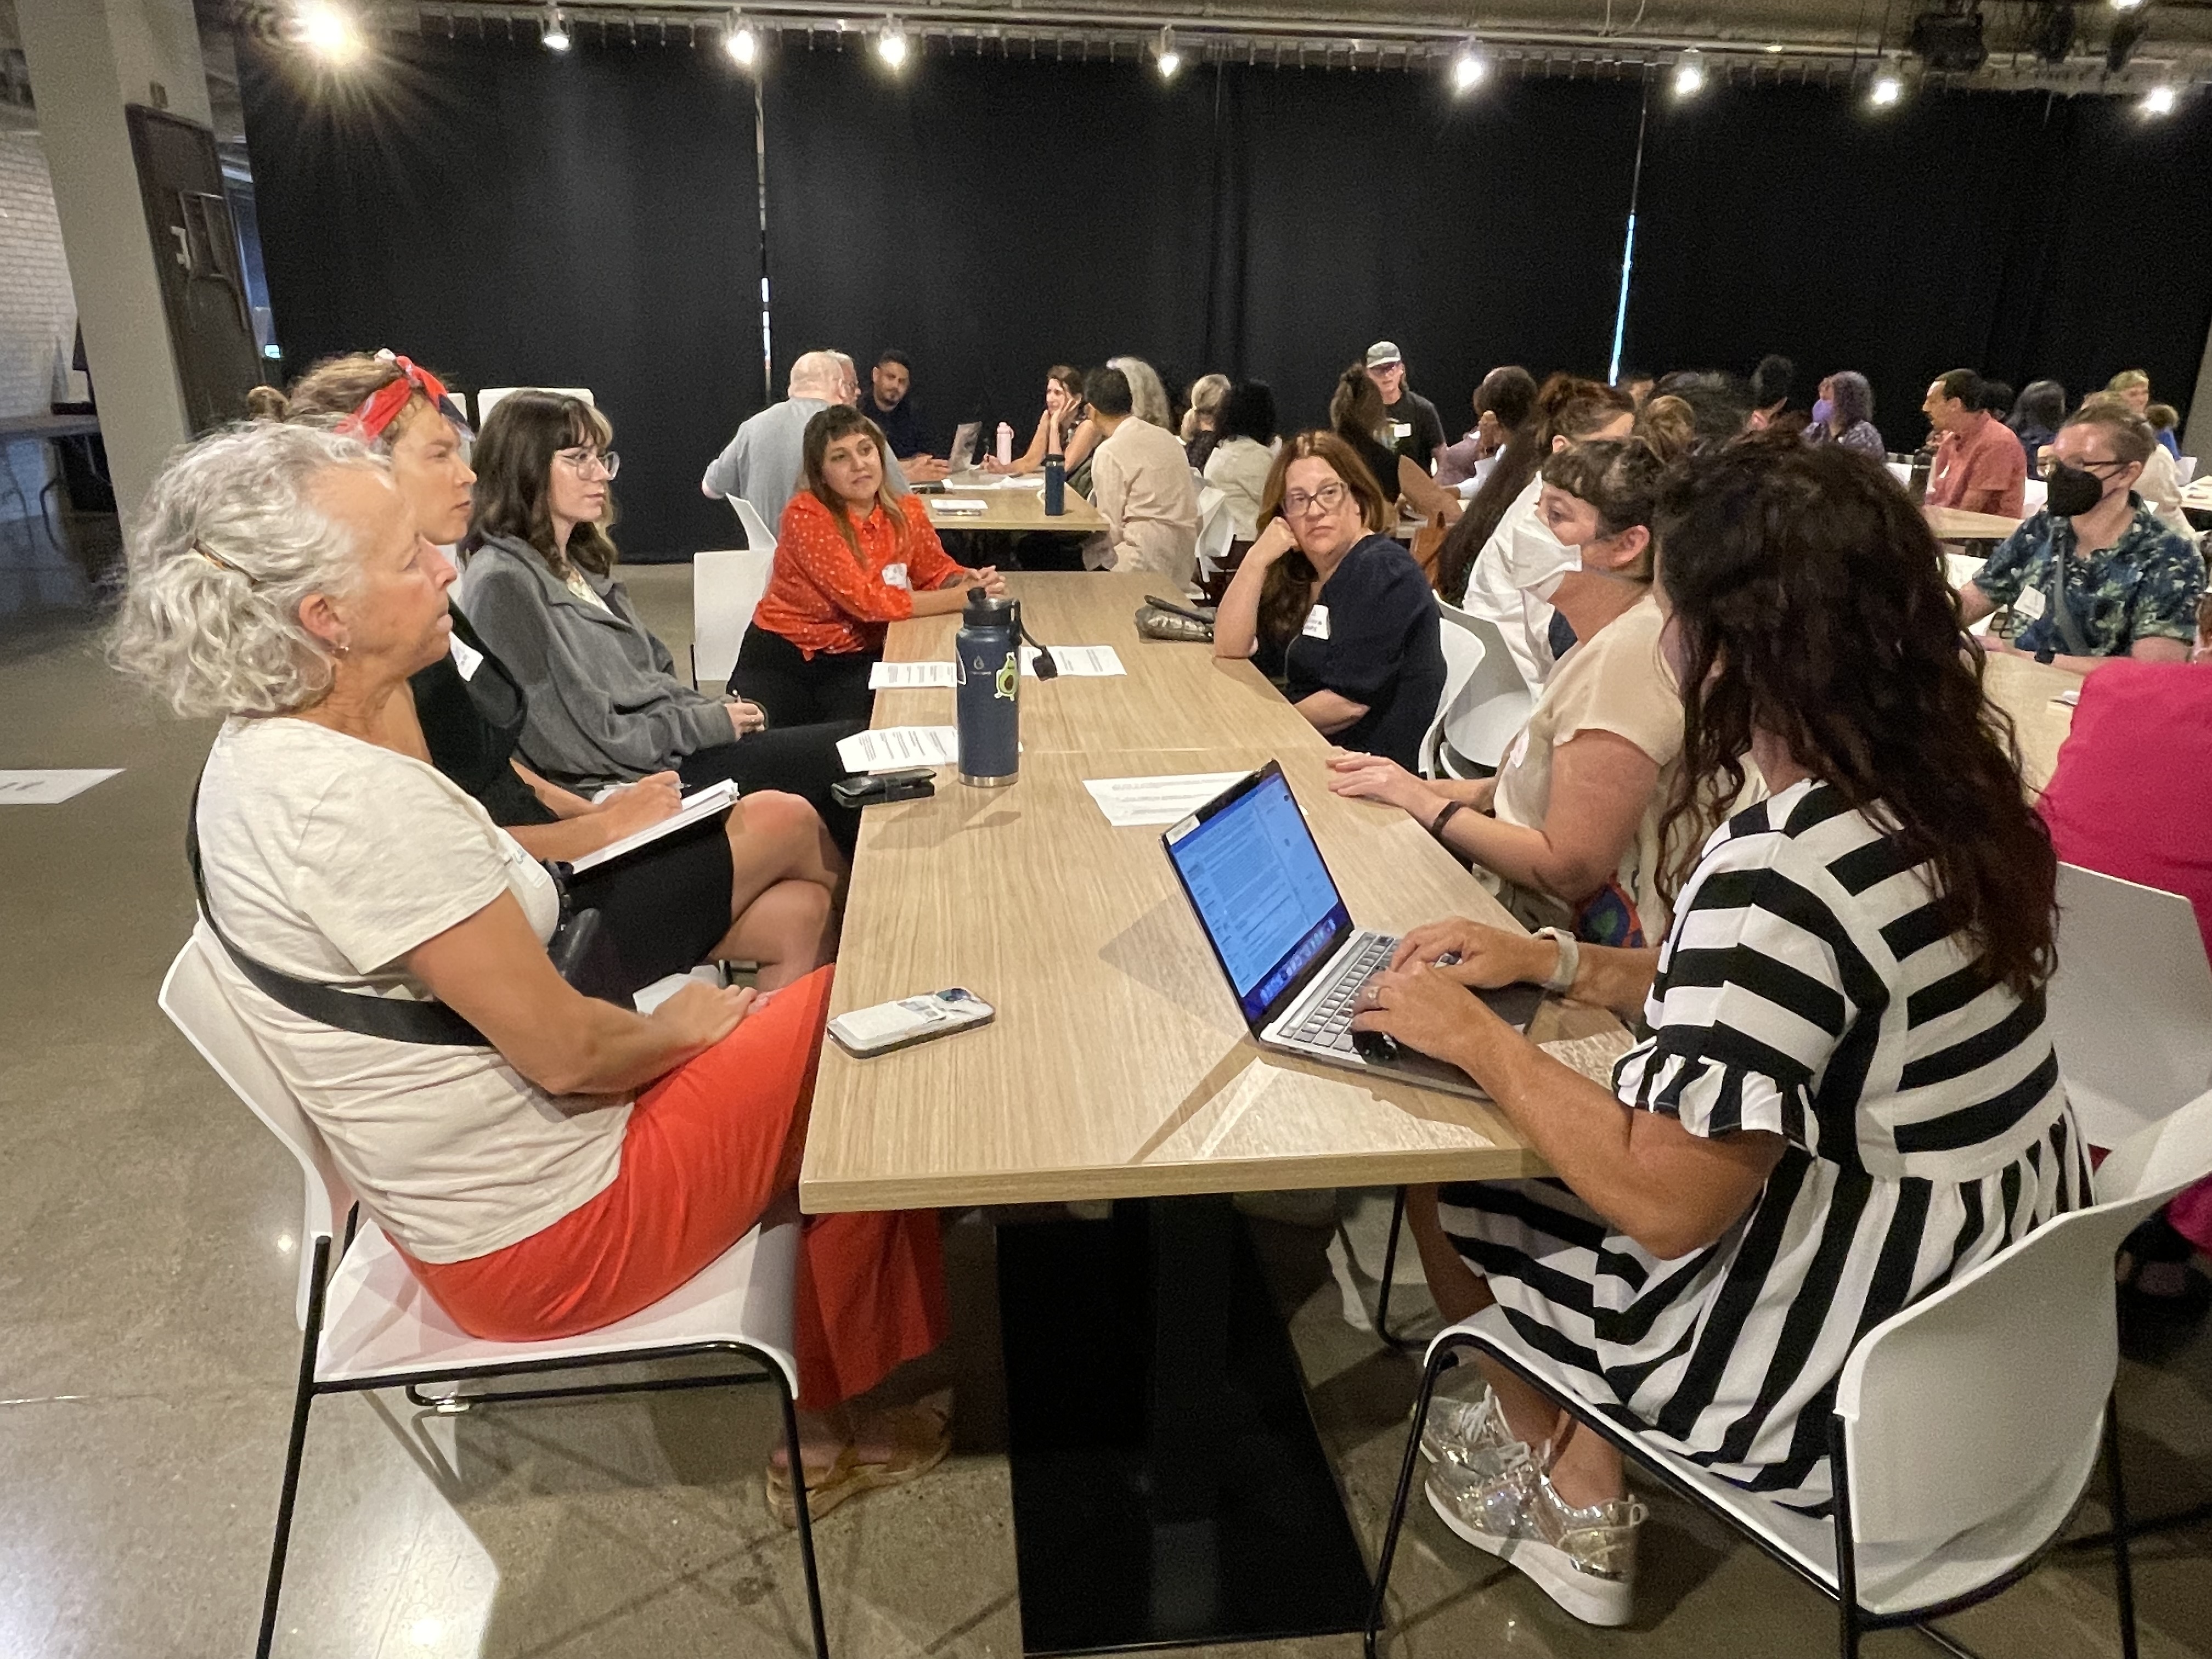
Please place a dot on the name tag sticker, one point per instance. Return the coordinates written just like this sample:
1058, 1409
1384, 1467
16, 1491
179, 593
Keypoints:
466, 657
2031, 604
1317, 626
895, 577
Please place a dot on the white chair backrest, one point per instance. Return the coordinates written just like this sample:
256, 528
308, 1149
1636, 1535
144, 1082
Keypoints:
726, 583
759, 537
1216, 530
2185, 470
490, 398
1901, 471
2032, 495
1946, 1429
2131, 1006
1462, 656
1493, 705
193, 998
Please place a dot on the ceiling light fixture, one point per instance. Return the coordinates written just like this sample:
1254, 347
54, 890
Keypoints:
2126, 5
2158, 100
556, 30
1887, 89
1165, 55
1468, 69
328, 31
740, 42
1689, 74
890, 45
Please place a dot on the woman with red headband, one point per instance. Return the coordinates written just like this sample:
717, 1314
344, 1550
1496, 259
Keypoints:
764, 886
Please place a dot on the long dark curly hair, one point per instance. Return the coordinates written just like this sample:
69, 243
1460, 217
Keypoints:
1809, 602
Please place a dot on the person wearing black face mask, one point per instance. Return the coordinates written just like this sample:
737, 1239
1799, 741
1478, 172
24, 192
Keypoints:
2094, 575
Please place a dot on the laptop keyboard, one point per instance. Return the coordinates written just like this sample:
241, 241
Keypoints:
1328, 1024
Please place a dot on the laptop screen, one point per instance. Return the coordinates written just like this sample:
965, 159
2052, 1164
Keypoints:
1260, 890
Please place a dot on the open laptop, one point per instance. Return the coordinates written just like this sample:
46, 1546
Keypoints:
1279, 928
965, 439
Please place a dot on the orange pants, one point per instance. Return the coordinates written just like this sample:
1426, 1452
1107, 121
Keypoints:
709, 1146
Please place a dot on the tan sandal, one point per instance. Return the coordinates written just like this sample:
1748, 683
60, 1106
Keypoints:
922, 1435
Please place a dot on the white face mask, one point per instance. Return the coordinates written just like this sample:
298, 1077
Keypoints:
1544, 588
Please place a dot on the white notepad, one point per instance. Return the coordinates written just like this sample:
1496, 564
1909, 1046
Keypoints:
700, 804
1130, 802
894, 747
51, 788
912, 676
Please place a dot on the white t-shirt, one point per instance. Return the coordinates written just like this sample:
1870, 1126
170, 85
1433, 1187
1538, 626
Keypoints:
1520, 555
330, 859
1615, 681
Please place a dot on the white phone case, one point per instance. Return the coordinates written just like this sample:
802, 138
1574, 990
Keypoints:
866, 1032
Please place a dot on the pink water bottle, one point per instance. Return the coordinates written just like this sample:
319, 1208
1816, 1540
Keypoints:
1006, 445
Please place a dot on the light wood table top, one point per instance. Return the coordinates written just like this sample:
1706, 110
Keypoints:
2024, 689
1118, 1066
1010, 507
1951, 524
1175, 697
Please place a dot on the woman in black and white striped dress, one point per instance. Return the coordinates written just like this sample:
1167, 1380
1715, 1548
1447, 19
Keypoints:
1849, 1097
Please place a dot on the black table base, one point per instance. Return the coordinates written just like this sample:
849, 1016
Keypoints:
1169, 1486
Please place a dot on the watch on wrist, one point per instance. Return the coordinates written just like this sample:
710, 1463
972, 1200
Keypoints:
1562, 980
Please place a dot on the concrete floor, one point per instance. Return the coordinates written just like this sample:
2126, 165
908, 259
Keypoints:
146, 1238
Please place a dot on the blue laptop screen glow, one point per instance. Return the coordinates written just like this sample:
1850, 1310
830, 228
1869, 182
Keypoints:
1256, 879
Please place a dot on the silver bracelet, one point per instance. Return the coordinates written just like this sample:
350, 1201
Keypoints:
1569, 963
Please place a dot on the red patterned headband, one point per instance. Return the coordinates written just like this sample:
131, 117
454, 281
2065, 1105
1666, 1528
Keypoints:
382, 407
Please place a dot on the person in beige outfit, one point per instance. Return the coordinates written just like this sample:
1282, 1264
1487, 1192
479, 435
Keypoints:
1141, 481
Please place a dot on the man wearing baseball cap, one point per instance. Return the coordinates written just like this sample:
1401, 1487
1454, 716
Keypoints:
1416, 429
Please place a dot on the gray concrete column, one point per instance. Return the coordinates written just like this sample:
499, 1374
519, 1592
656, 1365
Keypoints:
2196, 427
88, 58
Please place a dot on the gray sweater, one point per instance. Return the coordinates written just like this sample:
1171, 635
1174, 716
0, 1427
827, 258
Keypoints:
605, 706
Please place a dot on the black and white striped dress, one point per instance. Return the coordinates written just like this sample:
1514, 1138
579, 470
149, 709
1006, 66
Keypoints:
1806, 988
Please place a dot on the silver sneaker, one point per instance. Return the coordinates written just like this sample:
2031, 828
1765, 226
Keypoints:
1471, 1437
1582, 1559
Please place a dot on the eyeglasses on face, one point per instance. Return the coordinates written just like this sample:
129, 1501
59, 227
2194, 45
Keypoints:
2051, 464
1329, 497
582, 461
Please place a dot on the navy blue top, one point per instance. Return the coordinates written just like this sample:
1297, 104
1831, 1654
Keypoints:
902, 425
1384, 648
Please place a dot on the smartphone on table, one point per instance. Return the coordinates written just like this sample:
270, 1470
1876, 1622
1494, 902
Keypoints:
865, 1033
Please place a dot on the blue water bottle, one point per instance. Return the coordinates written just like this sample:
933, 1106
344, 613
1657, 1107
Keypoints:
1055, 486
989, 674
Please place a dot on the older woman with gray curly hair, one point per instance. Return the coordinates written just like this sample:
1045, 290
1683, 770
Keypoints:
576, 1161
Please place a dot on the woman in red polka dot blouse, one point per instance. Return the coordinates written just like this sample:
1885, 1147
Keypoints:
851, 559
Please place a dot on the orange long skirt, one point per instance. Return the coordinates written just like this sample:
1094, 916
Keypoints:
709, 1147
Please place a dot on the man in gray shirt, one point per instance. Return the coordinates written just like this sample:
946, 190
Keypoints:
762, 462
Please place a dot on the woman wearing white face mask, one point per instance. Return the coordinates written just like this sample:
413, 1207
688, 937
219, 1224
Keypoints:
1569, 826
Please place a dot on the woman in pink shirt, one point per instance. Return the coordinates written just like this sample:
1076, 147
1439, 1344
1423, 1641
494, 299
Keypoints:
2132, 797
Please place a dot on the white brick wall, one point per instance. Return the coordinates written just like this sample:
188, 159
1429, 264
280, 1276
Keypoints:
37, 312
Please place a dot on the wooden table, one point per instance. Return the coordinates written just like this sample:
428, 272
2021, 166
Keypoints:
1118, 1066
1952, 524
1175, 697
2024, 689
1009, 508
1168, 1487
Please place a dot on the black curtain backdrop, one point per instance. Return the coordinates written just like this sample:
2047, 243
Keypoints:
2021, 235
510, 216
513, 216
994, 218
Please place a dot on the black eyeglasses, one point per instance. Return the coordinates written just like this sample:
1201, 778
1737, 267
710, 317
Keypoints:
2051, 464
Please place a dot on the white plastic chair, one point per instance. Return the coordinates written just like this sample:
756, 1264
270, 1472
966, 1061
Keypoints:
2033, 495
1462, 656
2184, 469
370, 1325
760, 538
2129, 1008
1955, 1467
490, 398
1492, 706
726, 583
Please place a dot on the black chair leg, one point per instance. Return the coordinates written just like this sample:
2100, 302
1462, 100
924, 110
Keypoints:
805, 1519
1847, 1574
1376, 1609
1390, 1268
296, 1448
2123, 1579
